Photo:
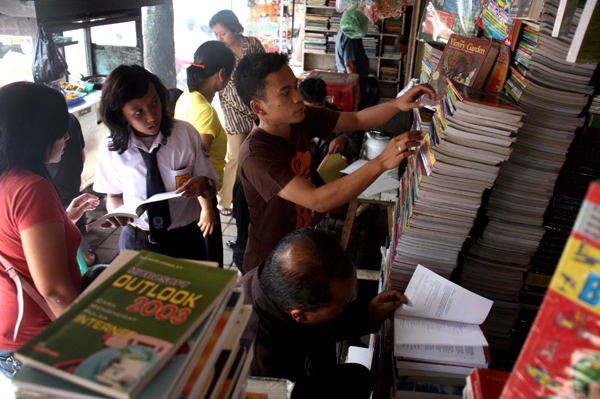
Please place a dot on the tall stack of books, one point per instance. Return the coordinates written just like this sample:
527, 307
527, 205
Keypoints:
441, 192
316, 2
150, 326
315, 42
431, 58
594, 113
370, 43
317, 22
554, 92
373, 29
389, 73
485, 384
438, 340
560, 356
334, 21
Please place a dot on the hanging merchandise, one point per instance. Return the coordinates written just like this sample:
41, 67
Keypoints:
48, 63
392, 8
354, 23
494, 19
264, 25
443, 18
341, 5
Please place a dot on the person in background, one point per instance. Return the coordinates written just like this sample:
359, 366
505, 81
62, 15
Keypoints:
302, 301
401, 44
147, 152
275, 160
350, 55
37, 237
210, 73
66, 177
238, 117
241, 213
314, 92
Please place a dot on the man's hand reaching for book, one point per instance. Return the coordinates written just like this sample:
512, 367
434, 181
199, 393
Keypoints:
385, 303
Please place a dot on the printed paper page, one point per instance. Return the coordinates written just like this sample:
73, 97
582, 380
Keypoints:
458, 354
414, 330
383, 183
434, 297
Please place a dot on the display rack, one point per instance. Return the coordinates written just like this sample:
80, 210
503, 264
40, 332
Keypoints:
319, 48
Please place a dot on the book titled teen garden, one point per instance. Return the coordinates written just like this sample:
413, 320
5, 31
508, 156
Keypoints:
115, 339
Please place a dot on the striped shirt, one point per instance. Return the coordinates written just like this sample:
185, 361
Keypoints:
238, 117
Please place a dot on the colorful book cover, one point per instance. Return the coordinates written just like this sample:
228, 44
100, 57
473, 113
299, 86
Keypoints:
495, 21
561, 356
463, 58
115, 339
500, 72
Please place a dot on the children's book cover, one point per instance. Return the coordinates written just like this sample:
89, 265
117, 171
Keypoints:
561, 356
118, 336
463, 58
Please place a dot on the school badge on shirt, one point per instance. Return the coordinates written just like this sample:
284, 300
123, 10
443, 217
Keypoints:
181, 180
204, 150
158, 222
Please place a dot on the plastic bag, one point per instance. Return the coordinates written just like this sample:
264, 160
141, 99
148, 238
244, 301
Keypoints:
48, 63
354, 23
392, 8
442, 18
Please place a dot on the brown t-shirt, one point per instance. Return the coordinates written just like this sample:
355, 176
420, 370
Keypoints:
267, 163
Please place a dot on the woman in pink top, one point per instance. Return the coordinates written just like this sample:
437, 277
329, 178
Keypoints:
37, 237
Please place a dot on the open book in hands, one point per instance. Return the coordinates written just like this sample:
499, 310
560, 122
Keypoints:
439, 313
133, 210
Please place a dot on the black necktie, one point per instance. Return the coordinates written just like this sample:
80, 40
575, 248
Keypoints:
159, 217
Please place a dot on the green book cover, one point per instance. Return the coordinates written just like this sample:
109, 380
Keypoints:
118, 336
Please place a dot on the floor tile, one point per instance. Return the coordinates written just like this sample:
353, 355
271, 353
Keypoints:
106, 255
225, 219
112, 242
230, 230
95, 238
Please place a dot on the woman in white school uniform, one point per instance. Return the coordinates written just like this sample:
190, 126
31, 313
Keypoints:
147, 152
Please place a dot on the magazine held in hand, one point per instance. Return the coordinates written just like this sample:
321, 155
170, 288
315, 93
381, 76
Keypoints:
117, 337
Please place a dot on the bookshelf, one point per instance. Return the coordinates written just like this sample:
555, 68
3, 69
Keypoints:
321, 24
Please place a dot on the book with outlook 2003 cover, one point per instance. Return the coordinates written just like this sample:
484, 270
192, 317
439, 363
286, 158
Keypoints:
117, 337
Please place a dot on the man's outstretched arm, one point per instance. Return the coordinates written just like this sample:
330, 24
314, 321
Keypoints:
379, 114
302, 192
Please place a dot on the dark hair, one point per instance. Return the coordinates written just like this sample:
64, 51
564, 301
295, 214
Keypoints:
401, 40
32, 118
252, 71
299, 272
214, 56
92, 273
228, 19
314, 90
126, 83
174, 95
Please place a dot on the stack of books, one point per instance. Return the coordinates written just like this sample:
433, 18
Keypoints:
315, 42
554, 92
389, 73
560, 356
316, 2
150, 326
438, 339
335, 21
317, 22
441, 192
373, 29
331, 43
393, 26
431, 58
389, 51
370, 43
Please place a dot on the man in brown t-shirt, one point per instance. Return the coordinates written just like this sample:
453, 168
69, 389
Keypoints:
274, 161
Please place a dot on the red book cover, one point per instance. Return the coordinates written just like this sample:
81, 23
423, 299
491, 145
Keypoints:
487, 384
463, 59
561, 356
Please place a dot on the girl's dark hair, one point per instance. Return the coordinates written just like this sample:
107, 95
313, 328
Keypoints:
32, 118
228, 19
124, 84
214, 56
174, 95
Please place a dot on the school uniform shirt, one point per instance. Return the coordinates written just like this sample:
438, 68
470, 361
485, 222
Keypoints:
195, 109
182, 157
267, 164
27, 200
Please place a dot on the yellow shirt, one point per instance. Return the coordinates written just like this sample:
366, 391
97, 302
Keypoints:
195, 109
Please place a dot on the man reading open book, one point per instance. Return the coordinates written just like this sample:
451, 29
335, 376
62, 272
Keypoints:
303, 303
